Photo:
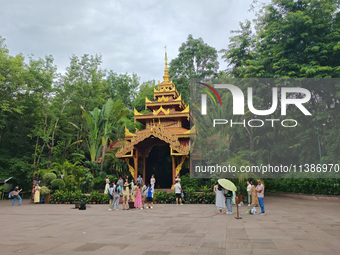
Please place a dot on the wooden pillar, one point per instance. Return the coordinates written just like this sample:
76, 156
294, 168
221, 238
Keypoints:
173, 169
136, 165
144, 170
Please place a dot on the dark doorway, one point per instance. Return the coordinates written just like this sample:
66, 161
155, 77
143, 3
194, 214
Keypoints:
159, 163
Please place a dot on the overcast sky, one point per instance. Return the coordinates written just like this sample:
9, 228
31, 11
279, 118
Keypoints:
130, 35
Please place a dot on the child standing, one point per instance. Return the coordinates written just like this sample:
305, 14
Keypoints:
138, 198
149, 197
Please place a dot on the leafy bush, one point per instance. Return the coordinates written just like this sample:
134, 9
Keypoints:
94, 196
192, 197
193, 183
58, 183
62, 197
57, 196
99, 183
86, 183
78, 197
306, 186
48, 177
44, 190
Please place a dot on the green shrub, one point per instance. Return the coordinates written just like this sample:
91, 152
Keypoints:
320, 186
94, 196
193, 183
86, 183
192, 197
58, 183
44, 190
48, 177
99, 183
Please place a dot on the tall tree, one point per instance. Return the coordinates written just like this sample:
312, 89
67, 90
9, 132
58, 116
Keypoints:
294, 39
123, 87
240, 48
196, 60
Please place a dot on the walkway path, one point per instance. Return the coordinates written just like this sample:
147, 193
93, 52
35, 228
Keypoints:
290, 227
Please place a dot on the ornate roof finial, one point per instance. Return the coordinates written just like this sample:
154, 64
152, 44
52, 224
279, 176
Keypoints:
166, 76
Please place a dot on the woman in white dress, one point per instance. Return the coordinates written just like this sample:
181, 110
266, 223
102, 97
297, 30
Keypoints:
107, 185
220, 199
153, 182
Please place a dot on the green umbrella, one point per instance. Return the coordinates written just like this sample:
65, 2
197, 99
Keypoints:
227, 184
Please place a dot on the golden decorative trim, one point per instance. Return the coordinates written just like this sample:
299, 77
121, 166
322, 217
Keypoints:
158, 132
163, 99
179, 167
178, 98
172, 153
161, 109
128, 133
191, 131
166, 76
147, 100
186, 110
179, 115
136, 112
131, 169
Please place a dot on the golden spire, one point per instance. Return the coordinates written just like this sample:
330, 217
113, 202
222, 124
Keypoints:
166, 76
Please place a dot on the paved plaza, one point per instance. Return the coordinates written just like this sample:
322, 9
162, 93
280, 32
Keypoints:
291, 226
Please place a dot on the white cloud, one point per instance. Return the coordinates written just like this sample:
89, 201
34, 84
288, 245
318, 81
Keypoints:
130, 35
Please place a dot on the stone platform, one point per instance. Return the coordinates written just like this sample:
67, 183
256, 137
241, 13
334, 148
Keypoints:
290, 227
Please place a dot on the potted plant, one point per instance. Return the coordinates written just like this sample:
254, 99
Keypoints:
46, 193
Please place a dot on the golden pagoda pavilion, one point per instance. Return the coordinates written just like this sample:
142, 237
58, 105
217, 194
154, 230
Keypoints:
166, 125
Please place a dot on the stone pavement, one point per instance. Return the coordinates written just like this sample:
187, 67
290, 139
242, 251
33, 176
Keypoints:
291, 227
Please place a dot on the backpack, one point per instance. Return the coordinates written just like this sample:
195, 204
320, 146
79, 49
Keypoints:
253, 210
229, 194
184, 192
82, 206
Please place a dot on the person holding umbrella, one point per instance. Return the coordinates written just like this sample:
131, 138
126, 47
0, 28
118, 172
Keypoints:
229, 188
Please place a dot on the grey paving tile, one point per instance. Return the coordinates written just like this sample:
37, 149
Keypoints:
89, 247
290, 227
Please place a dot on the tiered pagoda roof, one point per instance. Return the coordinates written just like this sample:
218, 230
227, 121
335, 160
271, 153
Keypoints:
168, 120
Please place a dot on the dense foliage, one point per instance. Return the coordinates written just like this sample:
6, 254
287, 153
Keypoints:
52, 122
